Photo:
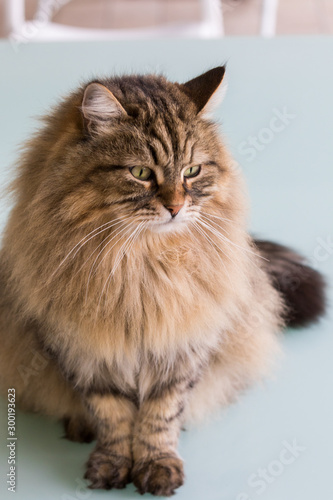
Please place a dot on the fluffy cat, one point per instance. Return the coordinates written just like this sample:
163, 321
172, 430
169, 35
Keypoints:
128, 275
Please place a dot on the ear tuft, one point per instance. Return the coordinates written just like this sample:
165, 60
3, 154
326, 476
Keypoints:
202, 88
99, 106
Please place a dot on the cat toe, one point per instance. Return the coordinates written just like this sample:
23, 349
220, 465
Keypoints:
159, 477
106, 470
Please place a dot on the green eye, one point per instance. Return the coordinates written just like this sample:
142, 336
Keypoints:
192, 171
141, 173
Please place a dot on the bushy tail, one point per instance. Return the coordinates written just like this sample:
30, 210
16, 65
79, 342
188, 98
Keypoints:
302, 288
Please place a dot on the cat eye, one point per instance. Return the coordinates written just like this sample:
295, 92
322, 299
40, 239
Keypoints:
192, 171
141, 173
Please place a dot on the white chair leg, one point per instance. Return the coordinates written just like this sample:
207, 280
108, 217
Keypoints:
14, 15
268, 20
212, 18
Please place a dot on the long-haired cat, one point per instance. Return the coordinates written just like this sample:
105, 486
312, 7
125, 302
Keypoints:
127, 267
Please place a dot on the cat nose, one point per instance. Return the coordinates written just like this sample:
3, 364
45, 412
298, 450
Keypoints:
174, 209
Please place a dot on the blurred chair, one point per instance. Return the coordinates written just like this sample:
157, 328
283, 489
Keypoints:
41, 28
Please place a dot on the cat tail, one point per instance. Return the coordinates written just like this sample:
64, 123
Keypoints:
302, 287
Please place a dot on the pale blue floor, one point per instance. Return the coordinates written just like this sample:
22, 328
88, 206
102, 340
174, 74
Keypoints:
290, 183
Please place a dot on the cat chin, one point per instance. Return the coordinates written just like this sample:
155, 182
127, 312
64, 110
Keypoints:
171, 226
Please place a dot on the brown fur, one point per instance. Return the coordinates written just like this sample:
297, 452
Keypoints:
187, 319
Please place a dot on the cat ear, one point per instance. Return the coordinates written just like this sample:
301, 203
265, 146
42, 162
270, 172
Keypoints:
206, 91
99, 107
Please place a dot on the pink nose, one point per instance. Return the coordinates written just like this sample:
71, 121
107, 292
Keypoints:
174, 209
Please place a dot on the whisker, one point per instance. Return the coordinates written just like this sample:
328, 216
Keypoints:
209, 220
112, 224
80, 244
118, 259
213, 244
92, 253
203, 224
112, 271
128, 248
216, 216
227, 255
224, 238
126, 228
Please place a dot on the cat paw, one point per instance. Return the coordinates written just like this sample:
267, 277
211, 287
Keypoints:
106, 470
79, 430
160, 476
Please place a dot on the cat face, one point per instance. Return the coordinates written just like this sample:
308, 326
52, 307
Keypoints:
149, 155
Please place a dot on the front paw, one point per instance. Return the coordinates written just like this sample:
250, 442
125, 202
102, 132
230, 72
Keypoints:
106, 470
159, 476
